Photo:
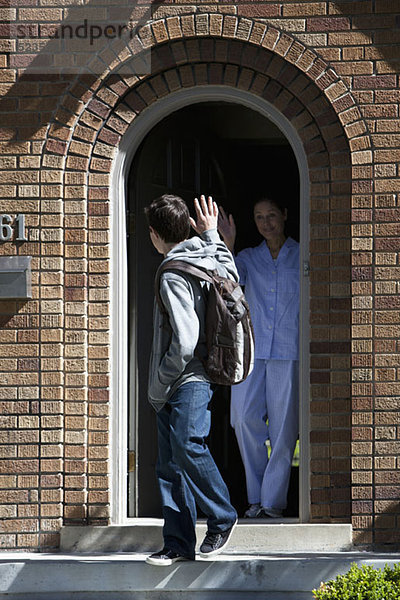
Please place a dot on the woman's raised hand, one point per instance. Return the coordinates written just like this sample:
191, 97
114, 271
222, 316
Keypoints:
227, 228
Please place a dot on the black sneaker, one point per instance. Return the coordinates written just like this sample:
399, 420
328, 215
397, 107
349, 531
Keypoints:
214, 543
164, 558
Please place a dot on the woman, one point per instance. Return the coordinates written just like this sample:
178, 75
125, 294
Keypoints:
266, 406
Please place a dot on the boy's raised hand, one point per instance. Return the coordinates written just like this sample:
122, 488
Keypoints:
206, 215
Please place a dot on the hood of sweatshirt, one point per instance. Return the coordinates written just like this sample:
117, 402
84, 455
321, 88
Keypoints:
207, 252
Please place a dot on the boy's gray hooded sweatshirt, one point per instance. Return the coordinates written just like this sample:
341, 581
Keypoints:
178, 336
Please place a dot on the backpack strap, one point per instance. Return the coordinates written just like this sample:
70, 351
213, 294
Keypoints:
178, 265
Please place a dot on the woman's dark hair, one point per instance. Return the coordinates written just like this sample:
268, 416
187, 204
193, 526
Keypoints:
280, 204
168, 215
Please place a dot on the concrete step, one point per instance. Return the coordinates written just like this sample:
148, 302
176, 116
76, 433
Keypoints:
127, 577
249, 537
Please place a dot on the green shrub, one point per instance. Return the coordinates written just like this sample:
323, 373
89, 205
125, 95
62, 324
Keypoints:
362, 583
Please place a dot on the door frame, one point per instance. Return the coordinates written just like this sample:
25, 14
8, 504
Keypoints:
141, 126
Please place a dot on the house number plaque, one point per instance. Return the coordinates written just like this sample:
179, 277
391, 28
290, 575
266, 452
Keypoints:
12, 228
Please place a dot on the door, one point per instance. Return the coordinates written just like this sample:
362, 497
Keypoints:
169, 161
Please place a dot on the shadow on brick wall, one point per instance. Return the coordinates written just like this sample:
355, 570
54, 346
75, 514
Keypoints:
45, 58
90, 37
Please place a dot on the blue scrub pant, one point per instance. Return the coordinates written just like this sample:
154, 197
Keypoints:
270, 392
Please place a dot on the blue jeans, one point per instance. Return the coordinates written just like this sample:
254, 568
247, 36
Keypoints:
186, 471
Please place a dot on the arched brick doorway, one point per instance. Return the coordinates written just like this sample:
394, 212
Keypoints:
269, 65
313, 143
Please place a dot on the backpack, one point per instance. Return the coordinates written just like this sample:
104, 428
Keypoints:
229, 331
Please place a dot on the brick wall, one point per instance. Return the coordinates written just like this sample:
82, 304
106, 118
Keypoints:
332, 69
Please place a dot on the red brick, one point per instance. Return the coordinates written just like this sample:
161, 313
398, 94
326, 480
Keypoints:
374, 82
327, 24
258, 10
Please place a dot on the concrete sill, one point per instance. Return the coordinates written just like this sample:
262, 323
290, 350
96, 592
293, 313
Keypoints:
249, 537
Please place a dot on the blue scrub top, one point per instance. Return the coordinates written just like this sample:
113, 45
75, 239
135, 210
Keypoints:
272, 289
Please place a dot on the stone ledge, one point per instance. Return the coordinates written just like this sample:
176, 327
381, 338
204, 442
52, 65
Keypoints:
126, 576
250, 537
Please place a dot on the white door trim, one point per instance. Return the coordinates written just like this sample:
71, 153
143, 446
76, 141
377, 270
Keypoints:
130, 143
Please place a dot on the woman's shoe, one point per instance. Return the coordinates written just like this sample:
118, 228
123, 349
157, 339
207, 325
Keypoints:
253, 511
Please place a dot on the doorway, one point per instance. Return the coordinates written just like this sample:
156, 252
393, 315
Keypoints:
234, 154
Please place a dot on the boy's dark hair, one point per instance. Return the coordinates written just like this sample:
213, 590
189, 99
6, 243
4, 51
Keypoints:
168, 215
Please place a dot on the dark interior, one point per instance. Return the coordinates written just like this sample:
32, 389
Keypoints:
236, 155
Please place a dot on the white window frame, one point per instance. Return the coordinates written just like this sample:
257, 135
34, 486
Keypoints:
129, 145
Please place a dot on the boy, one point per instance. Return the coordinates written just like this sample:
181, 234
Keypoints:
179, 388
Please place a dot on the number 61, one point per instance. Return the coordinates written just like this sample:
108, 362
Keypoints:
7, 226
